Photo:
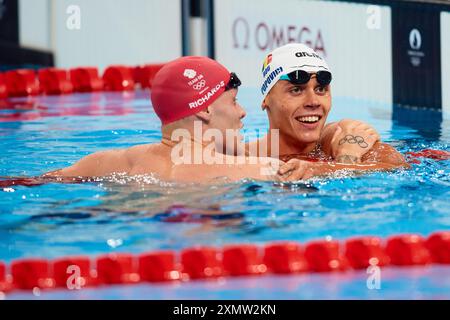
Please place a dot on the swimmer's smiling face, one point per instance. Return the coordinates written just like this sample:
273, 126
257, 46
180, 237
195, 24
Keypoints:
298, 111
227, 113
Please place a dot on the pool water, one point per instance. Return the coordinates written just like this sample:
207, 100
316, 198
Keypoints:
40, 134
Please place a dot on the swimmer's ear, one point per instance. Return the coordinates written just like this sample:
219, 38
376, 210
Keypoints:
204, 115
264, 104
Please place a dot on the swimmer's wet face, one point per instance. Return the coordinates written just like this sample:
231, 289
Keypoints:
299, 110
296, 91
225, 114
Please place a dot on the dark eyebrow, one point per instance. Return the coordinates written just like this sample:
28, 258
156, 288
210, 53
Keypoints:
290, 85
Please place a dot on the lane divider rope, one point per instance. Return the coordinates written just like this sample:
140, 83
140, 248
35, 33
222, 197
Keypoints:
204, 262
56, 81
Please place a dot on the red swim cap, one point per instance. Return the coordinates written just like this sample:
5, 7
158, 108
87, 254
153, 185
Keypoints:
186, 86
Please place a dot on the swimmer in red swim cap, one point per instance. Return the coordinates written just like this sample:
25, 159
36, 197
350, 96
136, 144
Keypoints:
195, 99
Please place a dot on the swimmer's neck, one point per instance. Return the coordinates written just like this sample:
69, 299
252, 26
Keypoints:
188, 138
288, 145
188, 141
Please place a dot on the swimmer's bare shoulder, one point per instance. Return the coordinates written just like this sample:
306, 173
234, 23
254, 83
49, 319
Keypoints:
149, 159
385, 153
97, 164
379, 153
139, 159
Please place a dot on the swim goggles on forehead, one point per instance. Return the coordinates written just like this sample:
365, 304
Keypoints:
302, 77
233, 83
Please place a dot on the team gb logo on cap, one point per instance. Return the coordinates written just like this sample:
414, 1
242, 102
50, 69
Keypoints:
189, 73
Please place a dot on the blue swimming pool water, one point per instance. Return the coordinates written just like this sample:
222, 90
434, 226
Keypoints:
44, 133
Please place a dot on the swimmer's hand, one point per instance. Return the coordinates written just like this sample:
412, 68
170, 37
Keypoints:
352, 139
295, 170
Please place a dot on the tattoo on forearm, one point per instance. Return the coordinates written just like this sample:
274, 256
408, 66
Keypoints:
348, 159
354, 139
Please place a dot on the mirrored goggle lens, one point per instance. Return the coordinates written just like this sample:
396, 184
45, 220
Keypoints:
299, 77
302, 77
234, 82
324, 77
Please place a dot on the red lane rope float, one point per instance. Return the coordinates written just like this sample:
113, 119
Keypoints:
118, 268
31, 273
437, 155
410, 250
118, 78
64, 265
22, 82
54, 81
3, 88
325, 256
158, 266
368, 249
204, 262
285, 258
200, 263
145, 74
86, 79
243, 260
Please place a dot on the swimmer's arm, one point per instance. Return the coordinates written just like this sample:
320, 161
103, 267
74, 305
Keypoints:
237, 169
260, 168
326, 168
98, 164
329, 131
381, 155
301, 170
385, 154
327, 136
270, 169
348, 126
